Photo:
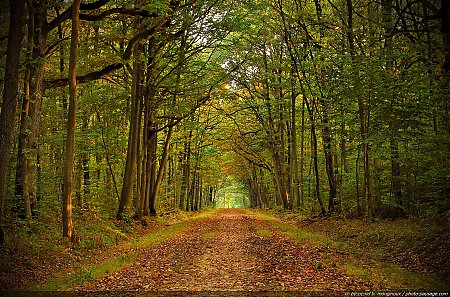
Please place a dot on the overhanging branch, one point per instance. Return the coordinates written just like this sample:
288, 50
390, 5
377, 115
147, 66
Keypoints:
95, 75
66, 14
119, 10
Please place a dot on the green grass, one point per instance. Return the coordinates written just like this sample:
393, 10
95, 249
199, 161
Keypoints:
162, 235
86, 273
204, 214
209, 235
356, 271
388, 276
295, 233
263, 232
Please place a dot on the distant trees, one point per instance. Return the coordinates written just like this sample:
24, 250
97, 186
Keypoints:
364, 104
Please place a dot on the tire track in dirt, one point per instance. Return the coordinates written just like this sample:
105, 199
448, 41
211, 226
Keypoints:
224, 253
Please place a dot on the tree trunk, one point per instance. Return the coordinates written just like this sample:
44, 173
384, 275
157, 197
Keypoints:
143, 184
86, 171
301, 201
344, 162
126, 196
315, 151
162, 165
30, 139
326, 131
275, 142
393, 124
21, 156
363, 116
294, 153
187, 171
153, 163
10, 98
68, 229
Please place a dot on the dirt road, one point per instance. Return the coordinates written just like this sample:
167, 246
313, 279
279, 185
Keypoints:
231, 251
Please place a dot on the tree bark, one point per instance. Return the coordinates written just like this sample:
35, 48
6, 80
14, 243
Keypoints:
126, 196
275, 141
152, 165
294, 153
10, 98
86, 173
21, 156
32, 120
162, 165
68, 229
187, 172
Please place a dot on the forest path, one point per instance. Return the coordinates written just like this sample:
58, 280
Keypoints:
231, 251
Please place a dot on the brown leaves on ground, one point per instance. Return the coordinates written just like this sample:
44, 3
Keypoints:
419, 246
224, 253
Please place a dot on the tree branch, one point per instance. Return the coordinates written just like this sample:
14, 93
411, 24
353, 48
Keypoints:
176, 120
95, 75
106, 13
65, 15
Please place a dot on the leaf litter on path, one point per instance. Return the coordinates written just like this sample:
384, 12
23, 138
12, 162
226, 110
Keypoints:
233, 258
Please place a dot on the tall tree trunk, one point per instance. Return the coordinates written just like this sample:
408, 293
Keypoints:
159, 176
326, 131
153, 164
275, 141
393, 123
86, 171
21, 156
143, 182
358, 203
181, 168
30, 139
68, 229
315, 150
10, 98
294, 153
301, 201
299, 71
187, 172
126, 196
344, 162
363, 116
326, 135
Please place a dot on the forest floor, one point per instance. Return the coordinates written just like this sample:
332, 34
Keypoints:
231, 251
243, 250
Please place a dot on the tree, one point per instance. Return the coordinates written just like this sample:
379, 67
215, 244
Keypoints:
10, 98
68, 229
